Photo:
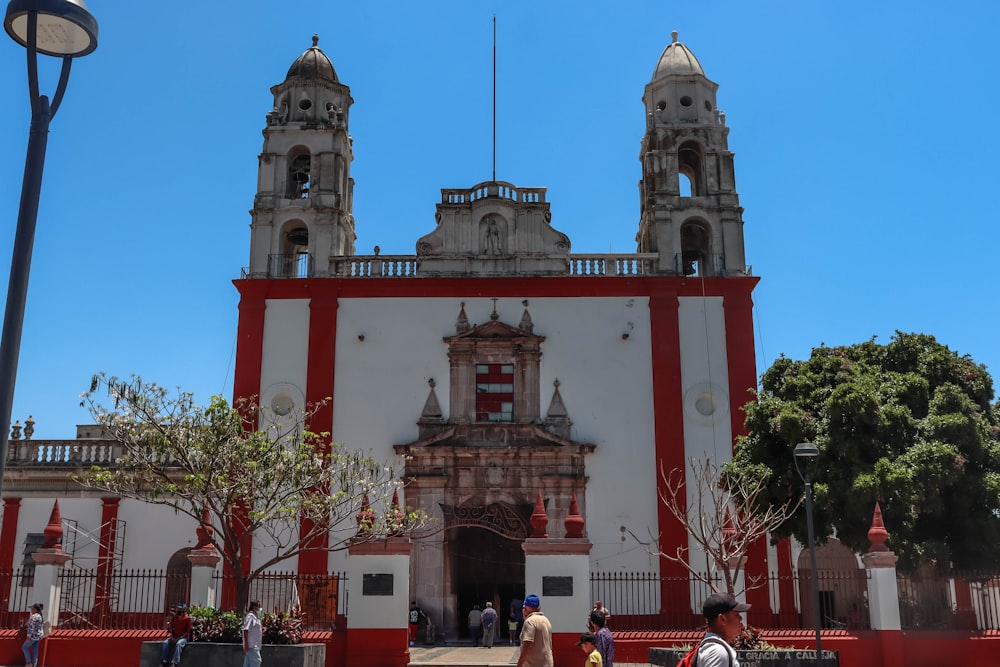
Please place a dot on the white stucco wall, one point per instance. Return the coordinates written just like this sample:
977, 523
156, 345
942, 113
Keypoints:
382, 386
285, 360
34, 516
705, 389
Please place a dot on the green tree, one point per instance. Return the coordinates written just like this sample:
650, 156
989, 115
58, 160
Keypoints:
909, 424
256, 475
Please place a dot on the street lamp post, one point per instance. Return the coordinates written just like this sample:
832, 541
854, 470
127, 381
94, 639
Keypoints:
60, 28
808, 451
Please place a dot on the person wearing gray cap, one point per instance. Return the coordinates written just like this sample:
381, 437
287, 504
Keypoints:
722, 613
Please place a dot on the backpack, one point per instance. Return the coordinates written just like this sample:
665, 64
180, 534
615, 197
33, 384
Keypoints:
691, 659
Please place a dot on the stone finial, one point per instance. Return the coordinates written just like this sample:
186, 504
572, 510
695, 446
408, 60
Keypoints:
432, 408
526, 324
29, 428
879, 555
316, 39
539, 519
673, 36
557, 409
366, 517
877, 534
395, 515
494, 316
204, 531
574, 521
15, 431
53, 530
462, 324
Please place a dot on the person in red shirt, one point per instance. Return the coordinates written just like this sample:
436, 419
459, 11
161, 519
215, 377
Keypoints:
179, 631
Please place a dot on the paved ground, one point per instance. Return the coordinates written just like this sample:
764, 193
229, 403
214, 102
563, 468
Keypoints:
466, 656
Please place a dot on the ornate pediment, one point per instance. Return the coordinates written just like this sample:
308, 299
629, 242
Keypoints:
494, 330
494, 228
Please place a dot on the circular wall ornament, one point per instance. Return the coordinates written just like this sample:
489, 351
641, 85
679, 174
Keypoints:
705, 403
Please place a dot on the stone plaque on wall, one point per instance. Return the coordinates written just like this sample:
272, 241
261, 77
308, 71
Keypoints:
557, 586
376, 584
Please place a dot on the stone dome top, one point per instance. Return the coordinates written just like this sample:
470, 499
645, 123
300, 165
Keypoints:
677, 59
312, 64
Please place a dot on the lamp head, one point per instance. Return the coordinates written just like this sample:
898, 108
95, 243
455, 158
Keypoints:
806, 450
65, 27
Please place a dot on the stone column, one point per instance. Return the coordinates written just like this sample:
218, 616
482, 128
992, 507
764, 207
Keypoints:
49, 561
883, 593
558, 571
204, 558
378, 588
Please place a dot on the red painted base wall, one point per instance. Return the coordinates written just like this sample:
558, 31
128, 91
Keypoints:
121, 648
856, 649
382, 648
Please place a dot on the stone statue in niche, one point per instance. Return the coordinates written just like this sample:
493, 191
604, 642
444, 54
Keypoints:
492, 244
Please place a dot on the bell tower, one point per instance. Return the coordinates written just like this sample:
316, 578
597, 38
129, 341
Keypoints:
302, 211
690, 211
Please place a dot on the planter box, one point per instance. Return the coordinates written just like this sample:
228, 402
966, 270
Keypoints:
231, 655
669, 657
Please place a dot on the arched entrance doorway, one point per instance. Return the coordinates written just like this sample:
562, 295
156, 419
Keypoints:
485, 567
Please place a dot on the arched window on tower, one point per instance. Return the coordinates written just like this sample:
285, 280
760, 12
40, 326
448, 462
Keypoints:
294, 260
690, 165
694, 256
299, 177
685, 184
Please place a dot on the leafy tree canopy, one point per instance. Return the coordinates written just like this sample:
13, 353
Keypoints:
245, 473
909, 424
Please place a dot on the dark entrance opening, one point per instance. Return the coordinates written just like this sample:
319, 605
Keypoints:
485, 567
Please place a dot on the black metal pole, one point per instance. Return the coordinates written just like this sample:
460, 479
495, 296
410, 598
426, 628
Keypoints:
813, 582
20, 267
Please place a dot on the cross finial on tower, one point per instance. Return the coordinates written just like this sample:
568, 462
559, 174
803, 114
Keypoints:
316, 39
494, 316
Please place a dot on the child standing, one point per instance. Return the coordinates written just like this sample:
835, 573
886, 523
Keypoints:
586, 645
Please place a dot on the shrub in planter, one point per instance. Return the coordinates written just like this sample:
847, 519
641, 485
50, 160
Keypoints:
210, 625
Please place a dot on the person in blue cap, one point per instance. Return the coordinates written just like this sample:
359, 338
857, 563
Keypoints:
536, 636
179, 631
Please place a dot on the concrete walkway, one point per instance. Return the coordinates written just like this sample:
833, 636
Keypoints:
461, 656
470, 656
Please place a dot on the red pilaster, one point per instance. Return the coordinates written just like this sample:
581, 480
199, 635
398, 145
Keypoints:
249, 339
8, 543
668, 410
742, 367
105, 558
319, 388
246, 379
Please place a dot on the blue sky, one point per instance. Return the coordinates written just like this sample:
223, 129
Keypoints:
864, 139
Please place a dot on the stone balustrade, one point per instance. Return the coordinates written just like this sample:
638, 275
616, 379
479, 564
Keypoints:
62, 453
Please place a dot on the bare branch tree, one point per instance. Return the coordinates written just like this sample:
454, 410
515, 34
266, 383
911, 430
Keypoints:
724, 513
263, 478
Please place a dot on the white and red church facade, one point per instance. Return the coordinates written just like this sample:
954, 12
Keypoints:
494, 363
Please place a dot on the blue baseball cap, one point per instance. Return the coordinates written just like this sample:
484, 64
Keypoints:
532, 601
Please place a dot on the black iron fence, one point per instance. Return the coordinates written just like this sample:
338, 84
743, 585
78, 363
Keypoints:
960, 601
638, 600
139, 599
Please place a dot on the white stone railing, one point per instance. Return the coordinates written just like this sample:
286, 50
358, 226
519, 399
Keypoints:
375, 266
613, 265
500, 189
67, 453
407, 266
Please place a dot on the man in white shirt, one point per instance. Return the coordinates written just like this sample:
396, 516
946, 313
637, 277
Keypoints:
722, 613
252, 636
